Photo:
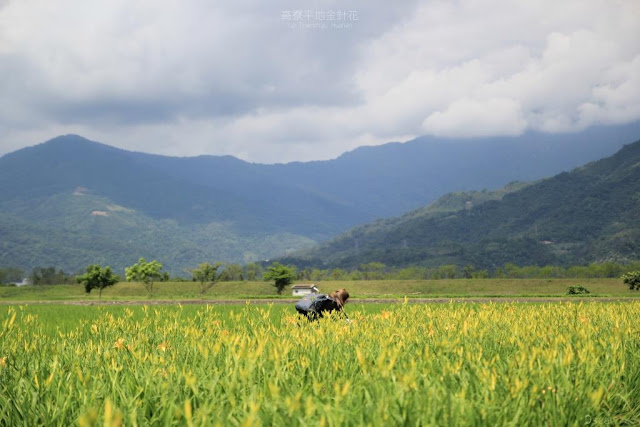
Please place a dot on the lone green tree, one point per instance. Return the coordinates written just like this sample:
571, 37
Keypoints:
207, 275
632, 279
145, 272
282, 275
97, 277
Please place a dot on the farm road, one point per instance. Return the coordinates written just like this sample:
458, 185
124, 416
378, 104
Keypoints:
351, 301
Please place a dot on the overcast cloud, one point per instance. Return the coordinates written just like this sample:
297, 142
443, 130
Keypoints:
280, 81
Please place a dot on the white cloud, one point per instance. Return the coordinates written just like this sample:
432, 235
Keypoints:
506, 67
615, 99
467, 117
194, 77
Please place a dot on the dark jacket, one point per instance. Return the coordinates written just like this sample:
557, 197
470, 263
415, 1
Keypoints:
315, 305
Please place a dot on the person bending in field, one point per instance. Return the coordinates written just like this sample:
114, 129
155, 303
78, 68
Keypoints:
315, 306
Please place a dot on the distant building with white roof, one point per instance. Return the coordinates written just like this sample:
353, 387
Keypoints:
304, 289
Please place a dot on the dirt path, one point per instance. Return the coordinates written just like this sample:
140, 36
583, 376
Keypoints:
352, 301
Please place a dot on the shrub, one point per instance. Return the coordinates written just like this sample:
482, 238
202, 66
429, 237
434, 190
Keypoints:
632, 279
577, 290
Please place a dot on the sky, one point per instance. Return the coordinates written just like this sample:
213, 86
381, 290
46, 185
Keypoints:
280, 81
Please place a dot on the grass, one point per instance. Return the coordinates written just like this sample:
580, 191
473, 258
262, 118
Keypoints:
56, 318
482, 287
358, 289
407, 364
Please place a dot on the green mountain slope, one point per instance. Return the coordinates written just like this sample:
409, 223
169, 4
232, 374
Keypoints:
590, 214
74, 229
315, 199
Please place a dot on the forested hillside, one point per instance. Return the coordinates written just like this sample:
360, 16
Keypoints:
591, 214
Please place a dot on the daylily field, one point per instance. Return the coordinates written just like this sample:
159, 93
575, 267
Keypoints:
404, 364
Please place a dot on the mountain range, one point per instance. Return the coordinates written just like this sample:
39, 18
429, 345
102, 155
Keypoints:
70, 202
591, 214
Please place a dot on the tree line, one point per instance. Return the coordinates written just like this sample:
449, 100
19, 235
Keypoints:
148, 272
37, 276
233, 272
229, 272
380, 271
